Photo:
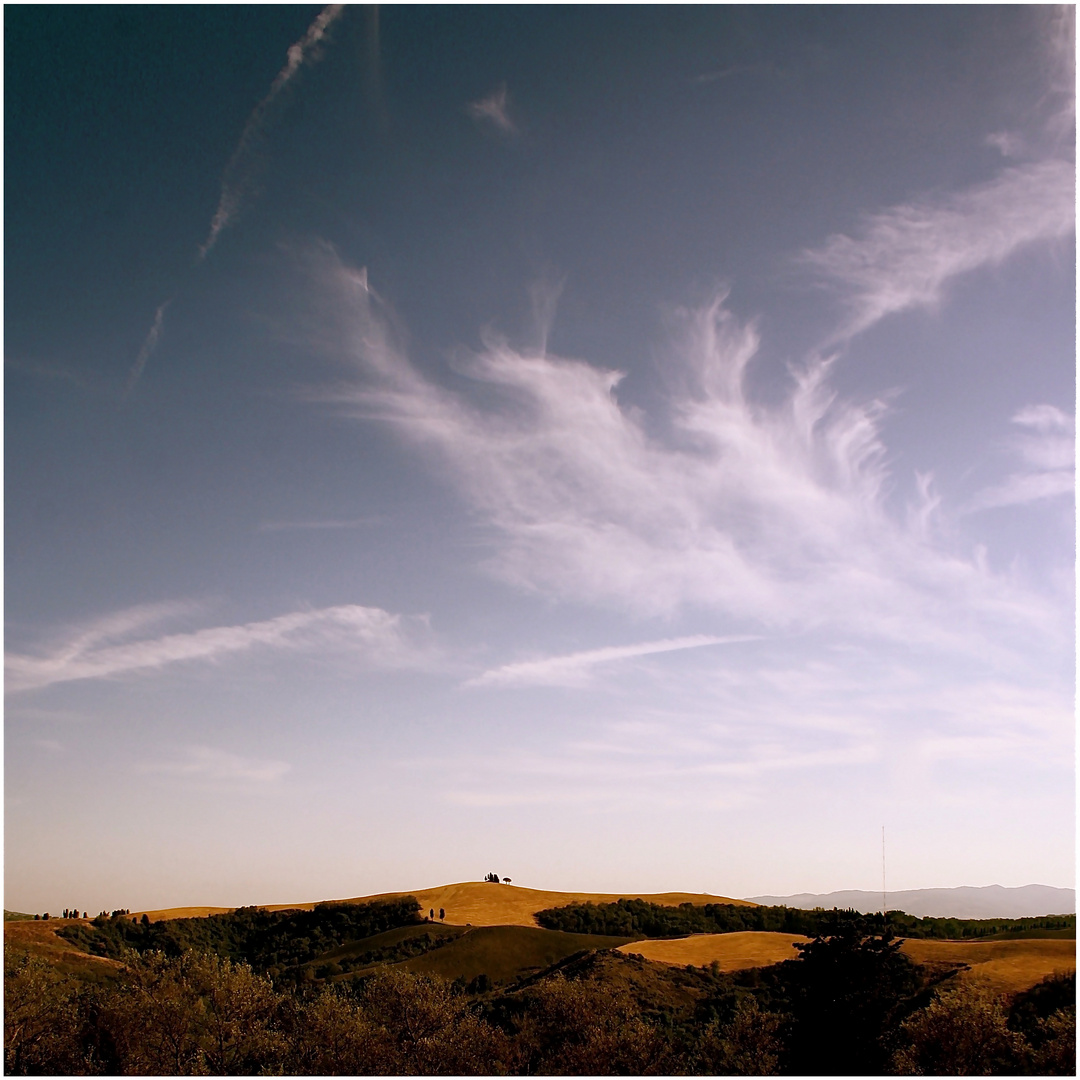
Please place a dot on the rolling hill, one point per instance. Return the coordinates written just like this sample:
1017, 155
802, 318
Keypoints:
40, 939
475, 903
733, 952
1004, 966
490, 930
505, 953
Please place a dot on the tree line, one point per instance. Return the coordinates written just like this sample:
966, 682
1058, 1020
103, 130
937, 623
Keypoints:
640, 918
271, 942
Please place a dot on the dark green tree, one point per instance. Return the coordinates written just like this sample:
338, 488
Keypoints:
847, 993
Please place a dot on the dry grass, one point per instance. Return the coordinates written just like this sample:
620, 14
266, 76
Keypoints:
1005, 966
39, 939
481, 903
733, 952
200, 912
504, 953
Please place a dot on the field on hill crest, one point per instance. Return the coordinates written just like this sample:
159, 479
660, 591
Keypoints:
479, 903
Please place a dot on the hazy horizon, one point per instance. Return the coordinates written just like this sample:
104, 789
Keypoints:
623, 449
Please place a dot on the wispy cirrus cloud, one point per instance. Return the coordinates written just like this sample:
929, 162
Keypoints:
52, 372
237, 183
106, 649
317, 526
771, 516
209, 763
717, 770
238, 180
1059, 36
1047, 448
148, 346
718, 74
495, 110
902, 258
729, 733
575, 669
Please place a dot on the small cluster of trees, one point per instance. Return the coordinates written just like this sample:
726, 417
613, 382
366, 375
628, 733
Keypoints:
495, 878
431, 914
69, 913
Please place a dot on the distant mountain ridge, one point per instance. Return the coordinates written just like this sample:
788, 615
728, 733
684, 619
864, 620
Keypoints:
965, 902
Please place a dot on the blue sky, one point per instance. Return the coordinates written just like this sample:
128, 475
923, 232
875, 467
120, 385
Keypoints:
627, 449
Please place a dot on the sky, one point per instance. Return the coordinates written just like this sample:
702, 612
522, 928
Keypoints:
623, 449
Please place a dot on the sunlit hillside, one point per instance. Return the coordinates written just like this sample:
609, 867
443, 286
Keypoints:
479, 903
732, 952
1003, 966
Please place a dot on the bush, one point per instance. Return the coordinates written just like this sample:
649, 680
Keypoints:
574, 1028
189, 1015
962, 1032
750, 1044
42, 1018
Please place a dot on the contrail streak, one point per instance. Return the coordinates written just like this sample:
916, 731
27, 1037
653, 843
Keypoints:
236, 180
148, 346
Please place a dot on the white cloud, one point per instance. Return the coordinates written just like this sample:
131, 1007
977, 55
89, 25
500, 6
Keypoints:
773, 517
1059, 35
574, 669
1023, 488
207, 763
148, 347
575, 774
94, 652
743, 726
237, 181
316, 526
1009, 144
903, 257
495, 110
1047, 447
726, 73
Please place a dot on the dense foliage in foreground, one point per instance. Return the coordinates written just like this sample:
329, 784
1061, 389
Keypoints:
642, 919
853, 1003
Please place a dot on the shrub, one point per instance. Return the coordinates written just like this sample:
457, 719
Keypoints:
41, 1018
962, 1032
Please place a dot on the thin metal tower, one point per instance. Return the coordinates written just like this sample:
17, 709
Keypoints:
884, 900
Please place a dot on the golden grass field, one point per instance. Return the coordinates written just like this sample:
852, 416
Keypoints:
39, 939
481, 903
1005, 966
504, 953
733, 952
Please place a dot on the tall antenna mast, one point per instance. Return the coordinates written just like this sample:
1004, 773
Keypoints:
884, 900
